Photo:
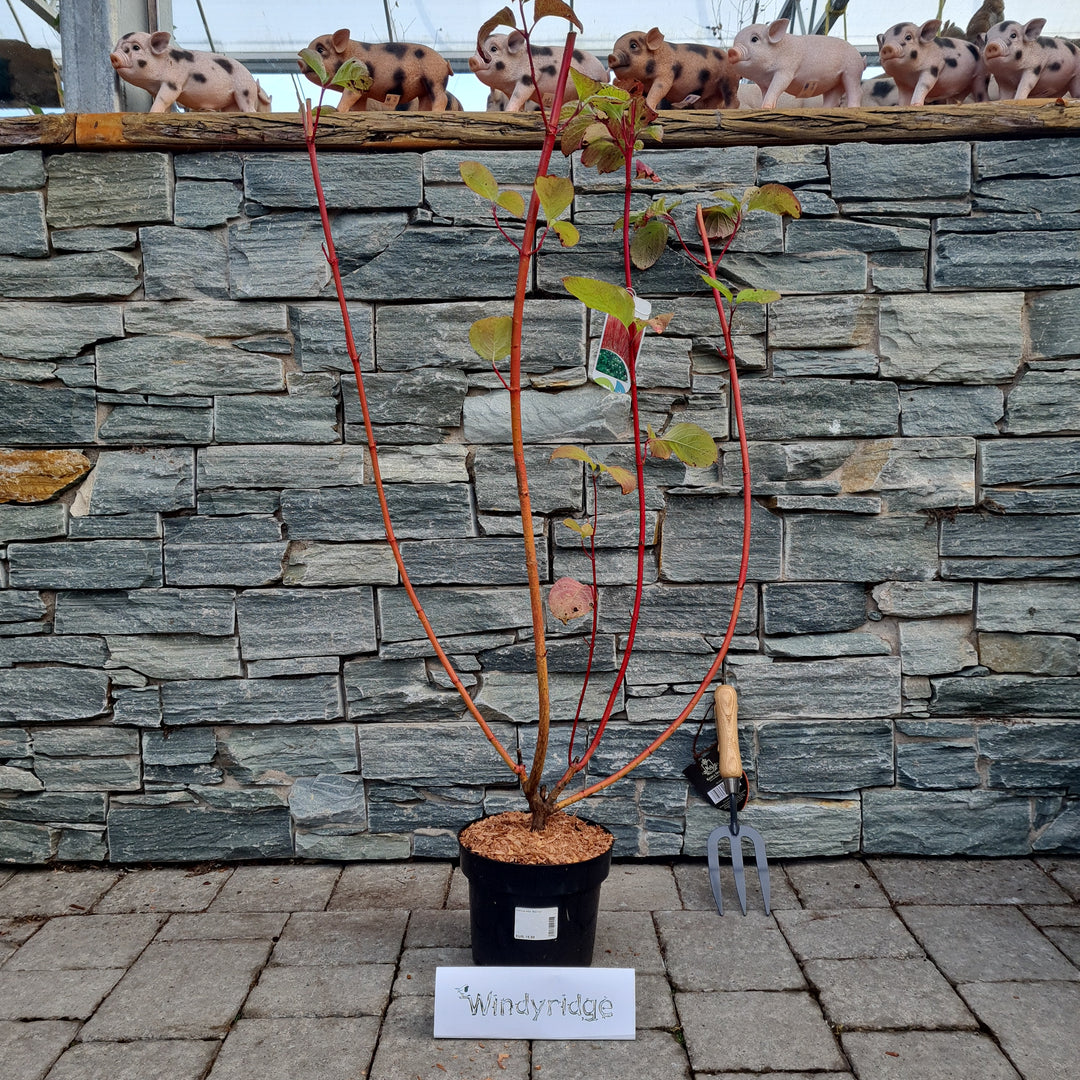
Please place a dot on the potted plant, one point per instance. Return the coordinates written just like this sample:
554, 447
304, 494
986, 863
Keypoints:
535, 874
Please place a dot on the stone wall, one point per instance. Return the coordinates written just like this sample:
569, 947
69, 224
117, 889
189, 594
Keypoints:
204, 649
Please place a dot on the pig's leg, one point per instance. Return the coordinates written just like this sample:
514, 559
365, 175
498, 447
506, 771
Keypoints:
351, 101
165, 97
832, 97
780, 82
852, 88
922, 88
657, 92
1026, 84
519, 97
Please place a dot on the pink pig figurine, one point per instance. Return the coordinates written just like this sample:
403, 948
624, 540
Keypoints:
801, 64
200, 81
507, 69
1026, 65
931, 68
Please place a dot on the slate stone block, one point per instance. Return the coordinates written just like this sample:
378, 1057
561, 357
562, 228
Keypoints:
583, 414
23, 214
1032, 756
145, 526
1035, 654
791, 164
273, 466
404, 808
20, 606
50, 695
809, 235
1054, 322
98, 275
263, 418
157, 425
25, 844
1063, 832
207, 318
236, 563
201, 204
812, 608
436, 755
1029, 462
1032, 535
854, 688
812, 408
93, 774
966, 337
923, 599
1027, 195
248, 753
937, 646
183, 264
419, 511
188, 746
823, 756
153, 364
1043, 402
951, 410
308, 622
190, 832
701, 540
33, 522
21, 169
319, 335
138, 481
1025, 157
1029, 607
339, 564
396, 690
251, 701
936, 757
86, 564
788, 363
328, 800
32, 332
152, 611
33, 415
139, 707
1006, 260
898, 822
472, 561
876, 171
854, 548
553, 485
426, 397
516, 167
452, 611
1006, 695
176, 656
109, 189
374, 182
691, 607
92, 238
38, 648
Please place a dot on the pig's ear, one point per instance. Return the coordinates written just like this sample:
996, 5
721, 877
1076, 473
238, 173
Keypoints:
928, 30
777, 30
515, 42
159, 42
654, 39
880, 40
340, 38
1033, 29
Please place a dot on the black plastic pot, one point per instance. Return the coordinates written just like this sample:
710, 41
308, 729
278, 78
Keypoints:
533, 916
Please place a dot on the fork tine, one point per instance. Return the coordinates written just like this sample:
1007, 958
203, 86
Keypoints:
762, 863
737, 867
714, 866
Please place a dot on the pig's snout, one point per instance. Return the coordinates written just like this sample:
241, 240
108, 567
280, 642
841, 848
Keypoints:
735, 55
476, 65
118, 60
889, 52
618, 60
993, 49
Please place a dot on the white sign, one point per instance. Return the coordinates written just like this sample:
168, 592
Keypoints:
534, 1003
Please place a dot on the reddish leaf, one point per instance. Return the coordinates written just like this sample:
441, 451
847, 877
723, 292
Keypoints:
570, 599
500, 18
557, 8
643, 172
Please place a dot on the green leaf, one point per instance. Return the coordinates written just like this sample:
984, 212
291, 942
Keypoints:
719, 286
353, 75
557, 8
512, 202
574, 132
573, 453
603, 296
585, 87
648, 243
776, 199
491, 337
567, 233
691, 444
623, 477
584, 529
603, 155
720, 221
479, 178
756, 296
315, 62
556, 194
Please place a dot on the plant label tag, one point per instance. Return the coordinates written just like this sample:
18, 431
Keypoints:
535, 1003
704, 774
536, 924
610, 366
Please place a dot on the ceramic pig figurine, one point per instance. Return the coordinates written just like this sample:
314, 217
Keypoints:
674, 72
507, 69
399, 69
803, 64
200, 81
930, 68
1026, 65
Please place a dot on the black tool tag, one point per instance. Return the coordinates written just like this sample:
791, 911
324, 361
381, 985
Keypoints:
704, 774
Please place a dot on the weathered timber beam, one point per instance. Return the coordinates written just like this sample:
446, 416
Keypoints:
416, 131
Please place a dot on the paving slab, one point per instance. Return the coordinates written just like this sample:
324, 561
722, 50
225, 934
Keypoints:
1035, 1023
29, 1050
847, 935
345, 990
301, 1048
967, 881
54, 995
439, 929
1065, 872
1067, 939
341, 937
640, 888
277, 888
172, 1059
458, 894
174, 889
755, 1031
925, 1055
230, 926
824, 884
416, 970
654, 1054
55, 892
776, 1076
887, 994
627, 939
179, 990
408, 1050
655, 1003
87, 941
396, 885
695, 891
13, 932
1053, 914
987, 944
706, 952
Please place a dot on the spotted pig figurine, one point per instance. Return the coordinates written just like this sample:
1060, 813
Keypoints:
398, 69
1026, 65
930, 68
801, 64
503, 64
674, 72
200, 81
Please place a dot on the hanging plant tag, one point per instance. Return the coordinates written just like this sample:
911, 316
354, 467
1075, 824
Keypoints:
534, 1003
611, 363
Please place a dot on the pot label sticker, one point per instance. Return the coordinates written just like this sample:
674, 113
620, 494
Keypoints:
610, 365
536, 923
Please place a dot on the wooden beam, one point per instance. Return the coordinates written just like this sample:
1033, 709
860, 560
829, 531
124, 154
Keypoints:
514, 131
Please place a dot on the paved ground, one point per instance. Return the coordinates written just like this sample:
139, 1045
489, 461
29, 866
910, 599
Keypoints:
877, 969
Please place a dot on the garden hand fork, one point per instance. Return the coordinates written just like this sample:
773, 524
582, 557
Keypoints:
727, 737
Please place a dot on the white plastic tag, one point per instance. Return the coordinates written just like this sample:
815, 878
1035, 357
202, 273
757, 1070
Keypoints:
536, 924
